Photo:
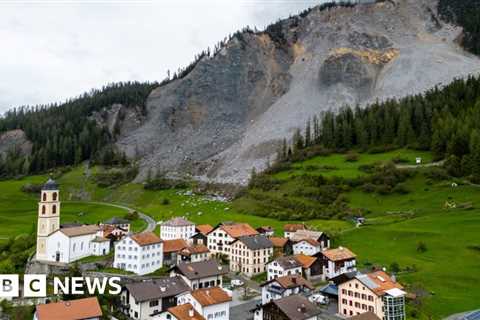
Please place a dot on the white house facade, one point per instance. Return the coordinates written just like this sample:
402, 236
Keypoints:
177, 228
307, 247
283, 266
140, 253
212, 303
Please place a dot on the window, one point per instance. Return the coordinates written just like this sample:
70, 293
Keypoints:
54, 209
54, 196
153, 303
43, 209
44, 197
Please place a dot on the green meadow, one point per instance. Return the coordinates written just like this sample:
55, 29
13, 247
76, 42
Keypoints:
444, 217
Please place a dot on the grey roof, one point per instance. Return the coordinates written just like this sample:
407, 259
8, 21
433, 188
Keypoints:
201, 269
297, 307
330, 289
363, 278
306, 234
116, 220
287, 262
157, 288
50, 185
256, 242
178, 222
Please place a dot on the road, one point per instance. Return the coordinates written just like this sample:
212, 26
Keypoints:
151, 223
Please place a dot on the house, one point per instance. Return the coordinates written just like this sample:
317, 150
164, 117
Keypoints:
177, 228
79, 309
140, 253
145, 299
307, 246
279, 288
180, 312
293, 307
365, 316
311, 266
194, 253
285, 286
283, 266
202, 274
320, 237
211, 303
68, 243
119, 223
266, 230
171, 250
374, 292
221, 236
337, 261
281, 246
201, 231
290, 229
250, 254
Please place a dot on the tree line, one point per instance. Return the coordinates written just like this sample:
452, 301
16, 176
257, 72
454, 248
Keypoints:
444, 120
64, 133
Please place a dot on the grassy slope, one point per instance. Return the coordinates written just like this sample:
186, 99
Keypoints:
449, 268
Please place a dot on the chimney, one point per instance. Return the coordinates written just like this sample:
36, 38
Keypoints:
191, 313
302, 308
163, 289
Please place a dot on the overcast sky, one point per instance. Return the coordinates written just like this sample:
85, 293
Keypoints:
52, 50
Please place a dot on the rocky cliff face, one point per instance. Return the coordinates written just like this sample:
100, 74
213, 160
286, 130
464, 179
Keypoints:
14, 140
230, 113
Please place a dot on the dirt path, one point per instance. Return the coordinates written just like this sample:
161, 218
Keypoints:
151, 223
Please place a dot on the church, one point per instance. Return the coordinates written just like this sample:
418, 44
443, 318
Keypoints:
64, 244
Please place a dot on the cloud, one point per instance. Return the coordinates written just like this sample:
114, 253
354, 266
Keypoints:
56, 49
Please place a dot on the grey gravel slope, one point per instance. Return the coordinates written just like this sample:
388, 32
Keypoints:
229, 114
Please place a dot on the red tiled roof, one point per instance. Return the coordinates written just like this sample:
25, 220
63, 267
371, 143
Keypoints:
209, 296
174, 245
339, 254
185, 312
146, 238
204, 228
239, 230
70, 310
293, 227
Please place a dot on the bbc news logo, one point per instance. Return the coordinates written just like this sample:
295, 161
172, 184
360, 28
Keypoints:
35, 285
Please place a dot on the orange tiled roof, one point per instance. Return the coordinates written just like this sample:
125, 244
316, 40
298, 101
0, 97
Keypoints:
304, 260
278, 242
339, 254
293, 227
312, 242
293, 281
209, 296
146, 238
70, 310
174, 245
204, 228
196, 249
383, 281
184, 311
238, 230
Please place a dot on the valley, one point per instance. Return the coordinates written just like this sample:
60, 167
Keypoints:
443, 278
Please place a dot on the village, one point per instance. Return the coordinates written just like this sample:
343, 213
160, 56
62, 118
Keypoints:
228, 271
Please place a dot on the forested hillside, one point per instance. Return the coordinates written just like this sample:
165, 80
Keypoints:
444, 120
64, 134
465, 13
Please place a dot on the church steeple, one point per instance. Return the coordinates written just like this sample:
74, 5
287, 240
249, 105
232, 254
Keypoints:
48, 216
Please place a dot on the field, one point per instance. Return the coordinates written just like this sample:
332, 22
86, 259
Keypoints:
446, 274
335, 164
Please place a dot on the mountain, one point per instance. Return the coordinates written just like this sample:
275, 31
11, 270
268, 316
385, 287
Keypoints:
231, 112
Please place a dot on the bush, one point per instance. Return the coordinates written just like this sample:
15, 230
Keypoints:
115, 177
436, 174
352, 157
368, 187
132, 215
383, 189
395, 267
165, 202
401, 188
32, 188
421, 247
160, 182
367, 168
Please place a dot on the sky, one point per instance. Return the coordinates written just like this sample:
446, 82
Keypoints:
52, 50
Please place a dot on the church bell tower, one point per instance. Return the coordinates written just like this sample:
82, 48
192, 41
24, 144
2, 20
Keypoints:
48, 217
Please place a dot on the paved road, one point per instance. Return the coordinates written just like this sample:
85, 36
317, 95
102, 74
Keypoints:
151, 223
242, 311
